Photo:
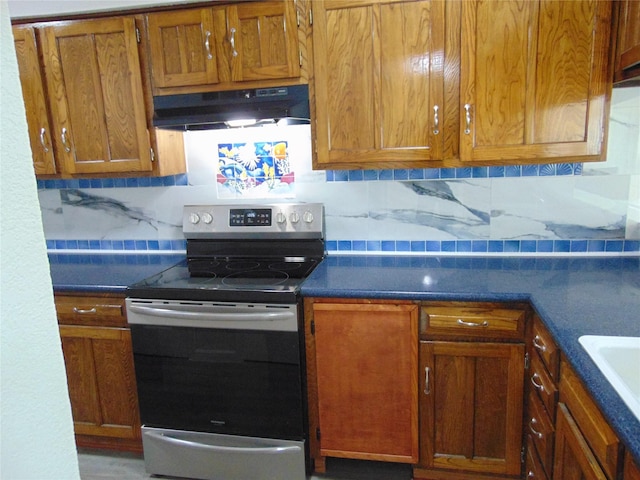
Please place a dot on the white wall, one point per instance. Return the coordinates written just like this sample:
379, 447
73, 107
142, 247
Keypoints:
36, 430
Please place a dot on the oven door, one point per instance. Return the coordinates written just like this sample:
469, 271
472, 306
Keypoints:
232, 369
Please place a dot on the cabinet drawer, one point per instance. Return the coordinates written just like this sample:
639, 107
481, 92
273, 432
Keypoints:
472, 321
534, 466
601, 439
540, 429
545, 387
102, 311
546, 348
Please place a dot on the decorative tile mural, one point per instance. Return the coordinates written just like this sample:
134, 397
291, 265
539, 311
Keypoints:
254, 170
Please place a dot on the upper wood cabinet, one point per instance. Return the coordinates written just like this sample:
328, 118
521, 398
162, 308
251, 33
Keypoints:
96, 96
433, 83
534, 80
221, 45
35, 100
627, 65
378, 88
362, 365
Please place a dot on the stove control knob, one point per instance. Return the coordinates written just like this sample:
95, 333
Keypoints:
207, 218
307, 217
295, 217
194, 218
281, 218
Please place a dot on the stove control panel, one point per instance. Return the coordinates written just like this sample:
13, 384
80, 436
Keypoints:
285, 220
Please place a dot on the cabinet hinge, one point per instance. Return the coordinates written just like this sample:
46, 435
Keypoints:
523, 455
138, 34
295, 5
313, 327
300, 57
153, 155
526, 361
310, 17
318, 433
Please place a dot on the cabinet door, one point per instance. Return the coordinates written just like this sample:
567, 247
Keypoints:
471, 402
366, 361
35, 101
535, 80
182, 47
96, 96
628, 47
378, 88
101, 381
573, 458
262, 40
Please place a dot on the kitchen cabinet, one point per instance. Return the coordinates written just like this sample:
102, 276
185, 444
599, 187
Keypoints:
631, 470
471, 391
378, 89
460, 83
585, 447
543, 375
627, 63
33, 92
96, 344
362, 369
213, 48
88, 103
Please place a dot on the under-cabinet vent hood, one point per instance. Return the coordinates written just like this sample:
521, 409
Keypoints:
211, 110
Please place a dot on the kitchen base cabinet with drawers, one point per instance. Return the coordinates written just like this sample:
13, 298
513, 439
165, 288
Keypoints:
471, 390
362, 369
96, 344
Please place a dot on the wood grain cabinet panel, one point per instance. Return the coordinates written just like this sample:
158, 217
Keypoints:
35, 100
379, 88
96, 95
96, 344
535, 80
627, 65
363, 368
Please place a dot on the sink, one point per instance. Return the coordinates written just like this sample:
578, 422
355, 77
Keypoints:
619, 360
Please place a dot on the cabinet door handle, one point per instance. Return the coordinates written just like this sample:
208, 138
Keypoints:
84, 311
436, 120
427, 387
467, 118
533, 430
534, 379
232, 41
43, 142
473, 324
207, 45
63, 136
537, 342
530, 474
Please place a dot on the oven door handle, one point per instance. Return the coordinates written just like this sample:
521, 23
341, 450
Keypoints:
223, 449
204, 319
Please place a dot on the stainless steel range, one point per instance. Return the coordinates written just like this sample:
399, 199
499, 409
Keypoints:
218, 345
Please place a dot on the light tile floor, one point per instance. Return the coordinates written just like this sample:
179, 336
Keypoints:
105, 465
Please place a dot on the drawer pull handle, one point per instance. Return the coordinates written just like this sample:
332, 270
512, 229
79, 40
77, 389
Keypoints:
533, 430
534, 379
427, 387
473, 324
232, 41
467, 119
436, 120
84, 311
537, 342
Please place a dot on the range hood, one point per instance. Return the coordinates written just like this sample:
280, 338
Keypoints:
211, 110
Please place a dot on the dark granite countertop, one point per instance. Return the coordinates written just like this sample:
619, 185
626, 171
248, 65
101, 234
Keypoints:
105, 273
574, 296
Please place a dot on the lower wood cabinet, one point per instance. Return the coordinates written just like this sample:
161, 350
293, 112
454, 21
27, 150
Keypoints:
96, 344
362, 365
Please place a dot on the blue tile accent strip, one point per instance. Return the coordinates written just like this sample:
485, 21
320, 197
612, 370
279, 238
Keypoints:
484, 246
134, 182
542, 170
117, 245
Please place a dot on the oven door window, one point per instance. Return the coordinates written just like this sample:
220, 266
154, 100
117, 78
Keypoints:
238, 382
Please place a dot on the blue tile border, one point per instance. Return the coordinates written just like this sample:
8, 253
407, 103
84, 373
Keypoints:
132, 182
581, 246
511, 171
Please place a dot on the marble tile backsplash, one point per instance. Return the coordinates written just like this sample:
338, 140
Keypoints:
590, 208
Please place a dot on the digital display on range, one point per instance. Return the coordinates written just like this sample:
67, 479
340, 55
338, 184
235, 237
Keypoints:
250, 217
